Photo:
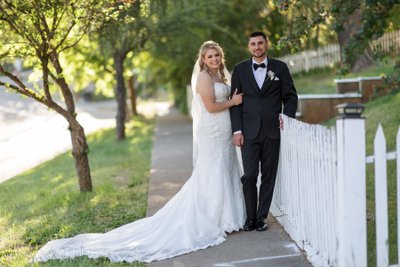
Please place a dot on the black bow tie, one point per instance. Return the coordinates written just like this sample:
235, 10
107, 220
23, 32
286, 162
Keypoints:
256, 66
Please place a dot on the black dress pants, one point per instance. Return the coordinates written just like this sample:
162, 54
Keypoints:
265, 151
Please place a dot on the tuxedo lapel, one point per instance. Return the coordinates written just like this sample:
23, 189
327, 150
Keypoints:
250, 76
267, 81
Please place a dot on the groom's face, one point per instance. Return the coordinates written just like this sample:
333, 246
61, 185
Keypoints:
258, 46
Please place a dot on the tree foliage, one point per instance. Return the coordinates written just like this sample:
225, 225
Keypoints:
124, 31
39, 31
355, 23
107, 52
180, 27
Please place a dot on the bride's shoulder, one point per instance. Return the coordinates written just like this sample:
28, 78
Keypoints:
204, 77
204, 83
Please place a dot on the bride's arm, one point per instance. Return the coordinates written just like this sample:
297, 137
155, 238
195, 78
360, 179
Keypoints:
205, 87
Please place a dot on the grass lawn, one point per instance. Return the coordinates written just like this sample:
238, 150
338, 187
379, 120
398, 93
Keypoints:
322, 81
315, 82
386, 111
45, 203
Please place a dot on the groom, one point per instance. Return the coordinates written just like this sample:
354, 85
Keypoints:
266, 85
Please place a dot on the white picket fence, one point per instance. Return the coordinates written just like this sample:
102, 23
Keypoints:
306, 189
390, 42
320, 194
308, 60
327, 56
381, 196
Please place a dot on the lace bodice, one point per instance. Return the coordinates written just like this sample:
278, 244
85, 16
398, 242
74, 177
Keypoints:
221, 92
217, 125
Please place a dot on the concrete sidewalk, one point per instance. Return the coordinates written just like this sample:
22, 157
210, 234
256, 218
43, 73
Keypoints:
171, 167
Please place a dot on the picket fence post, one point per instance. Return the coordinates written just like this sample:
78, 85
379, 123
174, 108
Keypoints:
398, 190
352, 228
381, 199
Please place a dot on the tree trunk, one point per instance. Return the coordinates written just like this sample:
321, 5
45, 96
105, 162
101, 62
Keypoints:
120, 93
132, 94
353, 25
80, 153
363, 61
78, 138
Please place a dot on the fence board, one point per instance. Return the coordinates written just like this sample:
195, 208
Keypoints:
307, 201
381, 210
306, 177
398, 193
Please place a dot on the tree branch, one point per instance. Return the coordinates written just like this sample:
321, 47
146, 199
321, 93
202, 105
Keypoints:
60, 80
36, 20
18, 26
45, 77
23, 90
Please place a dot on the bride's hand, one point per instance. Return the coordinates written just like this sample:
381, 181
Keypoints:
237, 98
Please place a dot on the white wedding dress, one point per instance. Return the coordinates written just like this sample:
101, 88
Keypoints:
209, 204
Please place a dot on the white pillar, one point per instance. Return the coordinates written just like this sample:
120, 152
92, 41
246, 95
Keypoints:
352, 224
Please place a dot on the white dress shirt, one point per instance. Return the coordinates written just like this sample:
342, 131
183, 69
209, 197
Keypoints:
260, 73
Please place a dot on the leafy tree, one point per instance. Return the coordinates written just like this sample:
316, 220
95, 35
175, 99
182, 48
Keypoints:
177, 33
39, 31
365, 21
126, 30
307, 25
356, 23
108, 52
182, 26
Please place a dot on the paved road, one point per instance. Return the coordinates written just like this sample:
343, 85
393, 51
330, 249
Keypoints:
171, 167
31, 134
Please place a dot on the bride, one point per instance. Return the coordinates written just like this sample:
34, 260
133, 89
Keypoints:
209, 205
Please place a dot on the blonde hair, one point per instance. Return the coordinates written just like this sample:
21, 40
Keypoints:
202, 52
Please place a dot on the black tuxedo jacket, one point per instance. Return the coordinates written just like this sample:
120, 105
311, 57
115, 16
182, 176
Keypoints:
258, 115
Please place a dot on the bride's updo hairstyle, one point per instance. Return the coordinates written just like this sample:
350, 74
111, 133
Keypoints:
202, 53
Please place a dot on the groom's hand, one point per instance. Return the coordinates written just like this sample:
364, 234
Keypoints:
238, 139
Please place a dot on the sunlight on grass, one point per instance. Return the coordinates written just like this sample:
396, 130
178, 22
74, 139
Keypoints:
45, 203
316, 82
321, 81
386, 111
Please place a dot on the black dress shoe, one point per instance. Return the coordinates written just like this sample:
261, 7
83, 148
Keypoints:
261, 226
249, 226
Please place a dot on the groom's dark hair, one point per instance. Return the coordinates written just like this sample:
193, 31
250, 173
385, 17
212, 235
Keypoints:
255, 34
